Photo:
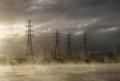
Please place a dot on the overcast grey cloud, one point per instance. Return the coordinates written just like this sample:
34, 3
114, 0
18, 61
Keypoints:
100, 18
49, 9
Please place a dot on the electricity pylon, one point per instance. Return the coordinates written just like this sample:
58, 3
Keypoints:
85, 42
69, 49
29, 50
57, 52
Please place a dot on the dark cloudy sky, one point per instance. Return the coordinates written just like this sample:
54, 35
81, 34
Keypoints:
100, 18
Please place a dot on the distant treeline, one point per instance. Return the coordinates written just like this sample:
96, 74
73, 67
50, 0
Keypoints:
83, 57
74, 58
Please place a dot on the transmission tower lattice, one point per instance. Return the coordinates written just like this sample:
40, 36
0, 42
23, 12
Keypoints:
29, 50
85, 42
57, 52
69, 49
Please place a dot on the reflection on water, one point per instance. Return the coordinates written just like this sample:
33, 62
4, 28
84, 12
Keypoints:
69, 72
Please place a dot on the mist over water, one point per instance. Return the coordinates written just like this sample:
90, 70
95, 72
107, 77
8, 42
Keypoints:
97, 60
61, 72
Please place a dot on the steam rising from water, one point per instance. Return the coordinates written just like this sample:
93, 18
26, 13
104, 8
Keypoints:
61, 72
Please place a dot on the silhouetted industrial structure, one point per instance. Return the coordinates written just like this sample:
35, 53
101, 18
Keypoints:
69, 49
29, 50
57, 52
85, 42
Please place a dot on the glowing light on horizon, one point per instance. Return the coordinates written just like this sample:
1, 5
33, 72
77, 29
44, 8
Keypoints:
12, 30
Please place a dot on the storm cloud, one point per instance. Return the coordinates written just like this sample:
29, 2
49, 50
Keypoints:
99, 18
